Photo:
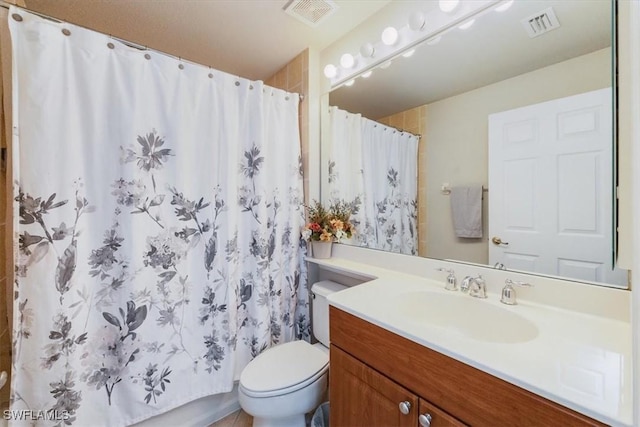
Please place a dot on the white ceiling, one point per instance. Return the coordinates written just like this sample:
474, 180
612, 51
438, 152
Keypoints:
248, 38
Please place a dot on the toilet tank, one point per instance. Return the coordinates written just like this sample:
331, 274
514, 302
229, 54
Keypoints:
320, 308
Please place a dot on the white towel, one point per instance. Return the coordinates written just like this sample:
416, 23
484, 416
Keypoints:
466, 209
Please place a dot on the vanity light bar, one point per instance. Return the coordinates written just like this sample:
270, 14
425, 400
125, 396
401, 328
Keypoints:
435, 24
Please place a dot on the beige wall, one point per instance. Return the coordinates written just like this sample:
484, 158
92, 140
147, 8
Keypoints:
454, 143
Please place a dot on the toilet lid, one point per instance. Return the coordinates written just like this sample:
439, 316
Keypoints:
283, 367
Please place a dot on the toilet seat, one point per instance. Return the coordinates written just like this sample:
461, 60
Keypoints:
283, 369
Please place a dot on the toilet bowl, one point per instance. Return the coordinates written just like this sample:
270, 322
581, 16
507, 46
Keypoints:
287, 381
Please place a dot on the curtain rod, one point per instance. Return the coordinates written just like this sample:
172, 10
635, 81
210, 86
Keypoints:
377, 122
418, 135
5, 5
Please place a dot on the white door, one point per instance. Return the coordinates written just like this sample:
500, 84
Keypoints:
550, 188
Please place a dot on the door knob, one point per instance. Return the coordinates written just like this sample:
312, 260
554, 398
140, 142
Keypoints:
425, 420
498, 241
405, 407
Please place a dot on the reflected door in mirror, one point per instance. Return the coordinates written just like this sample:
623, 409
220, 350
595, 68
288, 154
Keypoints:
551, 188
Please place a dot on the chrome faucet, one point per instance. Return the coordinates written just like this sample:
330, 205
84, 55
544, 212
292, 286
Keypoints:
476, 286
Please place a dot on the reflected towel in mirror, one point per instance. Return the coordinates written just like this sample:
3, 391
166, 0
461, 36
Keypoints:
466, 209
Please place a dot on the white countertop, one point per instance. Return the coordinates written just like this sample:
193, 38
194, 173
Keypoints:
578, 360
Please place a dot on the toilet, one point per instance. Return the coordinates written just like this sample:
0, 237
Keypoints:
288, 380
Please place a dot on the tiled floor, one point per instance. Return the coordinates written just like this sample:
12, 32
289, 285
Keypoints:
237, 419
242, 419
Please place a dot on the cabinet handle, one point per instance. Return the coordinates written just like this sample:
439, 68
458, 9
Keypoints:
405, 407
425, 420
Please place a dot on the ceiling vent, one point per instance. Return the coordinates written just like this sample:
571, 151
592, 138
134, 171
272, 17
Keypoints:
541, 22
311, 12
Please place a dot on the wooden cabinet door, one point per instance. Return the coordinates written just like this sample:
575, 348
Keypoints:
360, 396
438, 418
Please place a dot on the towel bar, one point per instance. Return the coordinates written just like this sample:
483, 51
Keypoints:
446, 189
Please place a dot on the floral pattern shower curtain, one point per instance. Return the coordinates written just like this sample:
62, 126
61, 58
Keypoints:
374, 168
158, 208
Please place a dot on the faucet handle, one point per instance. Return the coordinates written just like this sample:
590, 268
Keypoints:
509, 294
452, 282
515, 282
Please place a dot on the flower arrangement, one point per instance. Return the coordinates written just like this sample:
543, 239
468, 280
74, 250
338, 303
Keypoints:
328, 225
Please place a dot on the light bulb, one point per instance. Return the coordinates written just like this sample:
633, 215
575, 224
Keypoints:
467, 24
367, 74
367, 50
350, 82
409, 53
385, 65
389, 36
434, 40
347, 60
416, 21
330, 71
504, 6
448, 5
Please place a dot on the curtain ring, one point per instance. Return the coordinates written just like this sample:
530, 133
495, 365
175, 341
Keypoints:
147, 56
66, 32
17, 17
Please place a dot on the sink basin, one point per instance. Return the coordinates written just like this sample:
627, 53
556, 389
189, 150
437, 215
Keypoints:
472, 317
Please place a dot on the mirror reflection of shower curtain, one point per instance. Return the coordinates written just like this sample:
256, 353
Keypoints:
374, 168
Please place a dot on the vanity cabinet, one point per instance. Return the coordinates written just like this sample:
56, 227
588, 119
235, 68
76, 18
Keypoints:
373, 371
364, 397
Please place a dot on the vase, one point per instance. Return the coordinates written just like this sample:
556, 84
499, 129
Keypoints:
321, 250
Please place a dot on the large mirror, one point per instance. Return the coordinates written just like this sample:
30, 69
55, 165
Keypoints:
503, 148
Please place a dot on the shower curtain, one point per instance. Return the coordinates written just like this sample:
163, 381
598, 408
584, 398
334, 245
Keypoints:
158, 206
374, 169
